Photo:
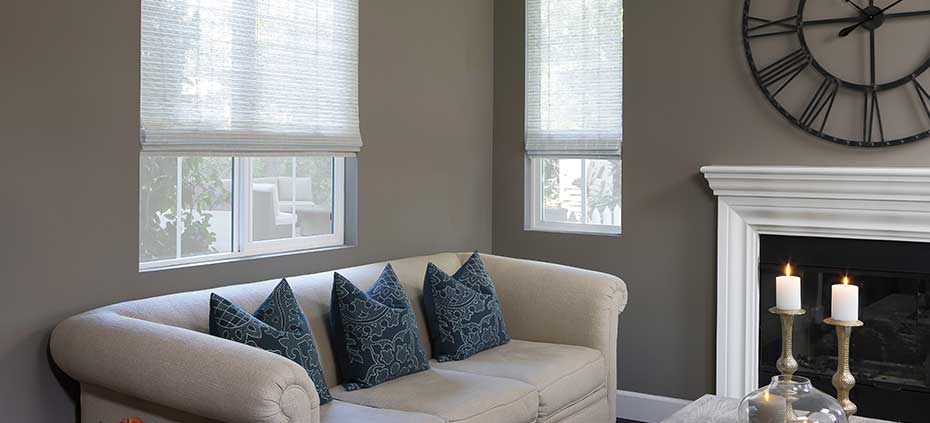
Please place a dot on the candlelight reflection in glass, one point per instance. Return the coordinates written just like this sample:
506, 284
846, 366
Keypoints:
790, 399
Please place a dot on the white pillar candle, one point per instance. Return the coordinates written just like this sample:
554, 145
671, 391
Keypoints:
845, 301
788, 291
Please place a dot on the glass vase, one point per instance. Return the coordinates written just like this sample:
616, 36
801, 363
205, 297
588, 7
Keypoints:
790, 399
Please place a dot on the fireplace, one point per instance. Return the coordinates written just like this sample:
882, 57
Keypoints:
844, 203
890, 355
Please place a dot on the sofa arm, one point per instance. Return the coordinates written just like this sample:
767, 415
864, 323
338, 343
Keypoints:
183, 369
547, 302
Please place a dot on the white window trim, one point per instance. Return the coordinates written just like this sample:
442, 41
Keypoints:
533, 196
243, 247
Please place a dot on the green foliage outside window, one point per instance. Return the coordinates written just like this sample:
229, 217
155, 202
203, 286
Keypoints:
202, 190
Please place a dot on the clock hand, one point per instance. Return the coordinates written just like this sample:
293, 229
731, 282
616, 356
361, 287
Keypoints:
845, 31
853, 4
854, 19
890, 6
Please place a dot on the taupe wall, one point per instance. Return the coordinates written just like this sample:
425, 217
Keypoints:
68, 180
689, 101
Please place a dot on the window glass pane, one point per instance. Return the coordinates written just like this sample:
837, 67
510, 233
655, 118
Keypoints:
603, 193
561, 189
158, 177
204, 225
291, 197
581, 191
206, 205
314, 196
273, 214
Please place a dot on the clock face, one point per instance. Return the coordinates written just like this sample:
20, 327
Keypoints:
853, 72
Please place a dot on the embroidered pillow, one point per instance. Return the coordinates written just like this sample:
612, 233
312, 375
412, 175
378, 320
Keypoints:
278, 326
463, 313
375, 333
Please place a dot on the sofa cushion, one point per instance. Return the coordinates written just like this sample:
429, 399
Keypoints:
593, 408
453, 396
462, 311
375, 333
346, 412
561, 374
278, 326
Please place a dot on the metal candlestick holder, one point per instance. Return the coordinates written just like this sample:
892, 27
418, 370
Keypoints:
843, 379
786, 364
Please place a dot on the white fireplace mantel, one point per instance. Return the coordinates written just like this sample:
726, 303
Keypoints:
840, 202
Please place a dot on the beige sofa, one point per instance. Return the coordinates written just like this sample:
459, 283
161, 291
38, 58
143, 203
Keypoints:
153, 359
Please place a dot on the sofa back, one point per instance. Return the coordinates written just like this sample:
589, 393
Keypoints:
190, 310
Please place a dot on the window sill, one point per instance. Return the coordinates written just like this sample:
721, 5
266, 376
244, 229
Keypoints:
221, 258
577, 229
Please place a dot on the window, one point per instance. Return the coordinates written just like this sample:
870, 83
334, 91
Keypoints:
237, 207
574, 110
576, 195
249, 112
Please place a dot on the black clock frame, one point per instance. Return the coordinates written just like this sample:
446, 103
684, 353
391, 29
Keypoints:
784, 70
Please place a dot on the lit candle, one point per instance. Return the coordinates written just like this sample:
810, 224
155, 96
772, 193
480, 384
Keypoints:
769, 408
845, 301
788, 291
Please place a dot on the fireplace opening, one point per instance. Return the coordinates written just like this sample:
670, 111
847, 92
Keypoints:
890, 355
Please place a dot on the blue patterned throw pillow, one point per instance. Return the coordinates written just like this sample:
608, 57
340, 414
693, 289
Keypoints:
375, 333
278, 326
462, 311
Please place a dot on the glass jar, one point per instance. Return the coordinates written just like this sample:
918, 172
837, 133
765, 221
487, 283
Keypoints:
790, 399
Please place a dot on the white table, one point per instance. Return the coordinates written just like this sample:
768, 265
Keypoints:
714, 409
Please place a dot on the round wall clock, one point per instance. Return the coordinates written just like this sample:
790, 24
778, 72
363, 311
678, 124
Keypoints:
851, 72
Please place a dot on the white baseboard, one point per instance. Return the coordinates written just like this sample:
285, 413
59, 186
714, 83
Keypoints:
646, 408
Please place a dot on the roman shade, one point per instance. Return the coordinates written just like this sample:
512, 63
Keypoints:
250, 77
574, 77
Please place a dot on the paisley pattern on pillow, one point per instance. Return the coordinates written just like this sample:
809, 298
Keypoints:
463, 312
278, 326
375, 333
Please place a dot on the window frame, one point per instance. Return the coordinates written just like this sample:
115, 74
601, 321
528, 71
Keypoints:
243, 246
533, 219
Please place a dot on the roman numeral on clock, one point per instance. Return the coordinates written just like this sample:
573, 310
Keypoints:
871, 114
766, 28
784, 70
821, 103
922, 95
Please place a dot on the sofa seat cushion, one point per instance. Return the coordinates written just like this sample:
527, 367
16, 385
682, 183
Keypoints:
453, 396
346, 412
561, 374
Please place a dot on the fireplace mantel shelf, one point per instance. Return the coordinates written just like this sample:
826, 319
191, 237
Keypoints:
863, 183
841, 202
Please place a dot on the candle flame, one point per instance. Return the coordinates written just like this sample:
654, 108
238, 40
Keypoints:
845, 280
788, 269
765, 395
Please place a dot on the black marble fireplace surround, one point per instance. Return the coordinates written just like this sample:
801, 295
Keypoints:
890, 355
